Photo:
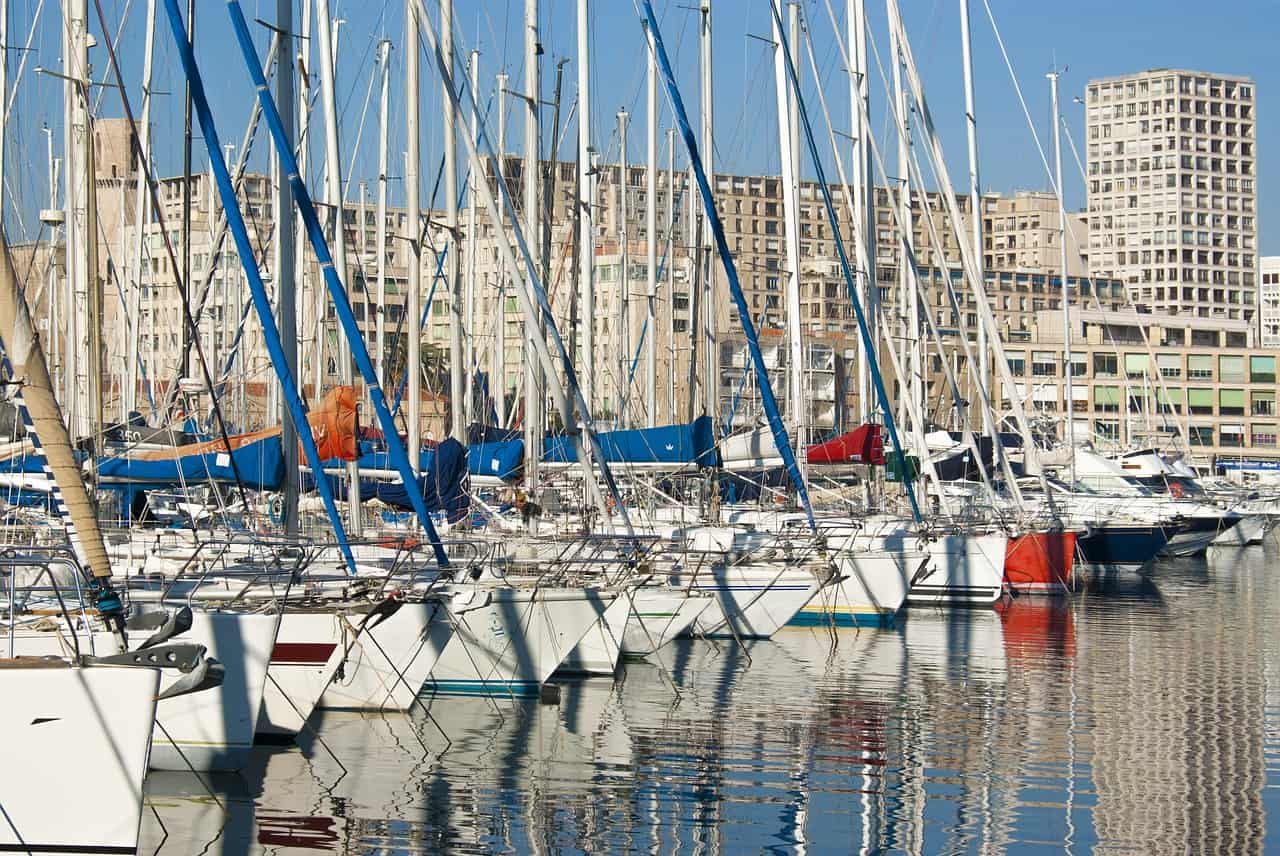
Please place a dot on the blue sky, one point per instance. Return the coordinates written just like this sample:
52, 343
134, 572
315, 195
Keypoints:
1089, 38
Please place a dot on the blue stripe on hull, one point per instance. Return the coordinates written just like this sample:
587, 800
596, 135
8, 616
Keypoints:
814, 618
472, 688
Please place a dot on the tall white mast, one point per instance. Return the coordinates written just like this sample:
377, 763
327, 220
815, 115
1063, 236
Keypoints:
907, 298
711, 365
501, 169
671, 272
975, 205
75, 146
791, 237
533, 378
1066, 292
864, 189
413, 154
586, 213
624, 277
470, 293
651, 236
141, 215
333, 198
384, 64
456, 365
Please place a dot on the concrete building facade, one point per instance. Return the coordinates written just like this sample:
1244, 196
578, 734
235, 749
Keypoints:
1172, 189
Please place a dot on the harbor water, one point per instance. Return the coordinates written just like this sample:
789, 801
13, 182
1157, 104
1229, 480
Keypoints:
1141, 717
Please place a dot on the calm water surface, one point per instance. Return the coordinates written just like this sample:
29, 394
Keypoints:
1140, 719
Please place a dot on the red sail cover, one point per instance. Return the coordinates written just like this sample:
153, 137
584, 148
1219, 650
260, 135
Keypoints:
333, 424
862, 445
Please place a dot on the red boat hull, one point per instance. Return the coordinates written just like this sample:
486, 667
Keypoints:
1040, 562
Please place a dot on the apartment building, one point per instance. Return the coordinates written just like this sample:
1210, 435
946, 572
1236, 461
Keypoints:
1269, 301
1020, 233
1171, 189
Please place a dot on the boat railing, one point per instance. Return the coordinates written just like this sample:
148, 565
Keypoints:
11, 561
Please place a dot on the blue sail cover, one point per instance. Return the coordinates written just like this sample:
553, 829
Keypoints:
443, 486
260, 462
676, 445
497, 459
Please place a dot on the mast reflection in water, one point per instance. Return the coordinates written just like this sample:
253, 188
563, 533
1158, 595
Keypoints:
1140, 719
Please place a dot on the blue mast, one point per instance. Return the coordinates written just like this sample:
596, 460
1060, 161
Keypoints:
261, 303
342, 305
867, 343
780, 438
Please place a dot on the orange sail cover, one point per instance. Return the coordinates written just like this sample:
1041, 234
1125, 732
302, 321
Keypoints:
333, 423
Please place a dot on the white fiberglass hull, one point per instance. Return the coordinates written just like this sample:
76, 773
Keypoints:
962, 569
209, 730
386, 663
74, 755
509, 640
870, 589
748, 600
598, 651
658, 615
213, 729
1252, 529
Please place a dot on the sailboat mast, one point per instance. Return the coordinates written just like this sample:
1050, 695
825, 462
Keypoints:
791, 237
651, 235
500, 169
864, 188
286, 272
907, 299
671, 267
533, 378
469, 287
711, 365
413, 231
975, 208
624, 276
586, 225
141, 214
384, 70
185, 365
457, 367
328, 38
75, 146
1062, 258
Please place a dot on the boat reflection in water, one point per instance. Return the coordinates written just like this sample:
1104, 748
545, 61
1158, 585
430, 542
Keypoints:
1138, 722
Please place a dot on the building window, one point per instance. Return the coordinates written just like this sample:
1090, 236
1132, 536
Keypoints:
1044, 364
1231, 402
1105, 365
1106, 399
1263, 404
1262, 369
1107, 429
1264, 434
1230, 368
1200, 367
1201, 435
1200, 402
1231, 436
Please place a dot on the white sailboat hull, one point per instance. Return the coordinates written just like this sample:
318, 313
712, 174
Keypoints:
208, 730
748, 601
870, 589
962, 569
510, 640
74, 755
598, 651
388, 662
659, 615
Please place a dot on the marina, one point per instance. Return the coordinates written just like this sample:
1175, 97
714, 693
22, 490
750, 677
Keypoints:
798, 494
1042, 724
